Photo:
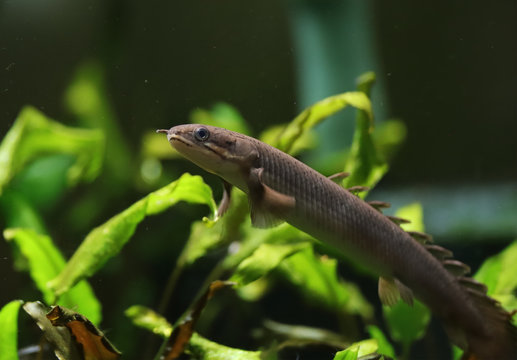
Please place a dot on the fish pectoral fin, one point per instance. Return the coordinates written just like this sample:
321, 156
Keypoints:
391, 290
388, 292
267, 205
226, 200
406, 294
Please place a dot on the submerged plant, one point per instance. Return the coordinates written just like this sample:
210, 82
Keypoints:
254, 258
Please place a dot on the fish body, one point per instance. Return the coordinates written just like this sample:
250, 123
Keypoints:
281, 188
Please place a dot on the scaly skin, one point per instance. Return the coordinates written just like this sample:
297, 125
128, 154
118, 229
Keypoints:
280, 186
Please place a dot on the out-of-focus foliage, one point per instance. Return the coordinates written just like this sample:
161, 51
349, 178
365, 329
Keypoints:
318, 281
257, 259
9, 333
107, 240
358, 349
498, 274
86, 98
44, 261
34, 135
384, 346
198, 346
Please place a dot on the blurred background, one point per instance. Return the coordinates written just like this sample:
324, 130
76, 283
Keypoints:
447, 71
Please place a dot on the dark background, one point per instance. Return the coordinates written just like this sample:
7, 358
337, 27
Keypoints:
447, 70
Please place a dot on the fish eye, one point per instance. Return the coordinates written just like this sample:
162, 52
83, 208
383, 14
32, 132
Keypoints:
201, 134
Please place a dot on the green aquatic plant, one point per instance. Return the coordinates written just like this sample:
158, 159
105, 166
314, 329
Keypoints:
257, 258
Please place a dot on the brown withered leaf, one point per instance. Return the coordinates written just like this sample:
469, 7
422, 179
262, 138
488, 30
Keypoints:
90, 340
183, 331
59, 338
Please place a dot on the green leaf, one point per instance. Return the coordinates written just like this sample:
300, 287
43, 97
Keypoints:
150, 320
252, 238
203, 349
307, 139
414, 213
87, 99
407, 323
107, 240
198, 347
34, 135
384, 345
313, 115
264, 259
44, 263
317, 279
9, 333
364, 163
17, 212
357, 349
388, 137
221, 115
498, 274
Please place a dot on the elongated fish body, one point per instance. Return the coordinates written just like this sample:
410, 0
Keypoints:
281, 188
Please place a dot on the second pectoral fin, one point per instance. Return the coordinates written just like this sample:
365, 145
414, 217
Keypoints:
391, 290
267, 205
226, 200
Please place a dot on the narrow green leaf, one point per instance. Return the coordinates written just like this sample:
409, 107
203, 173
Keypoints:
306, 141
191, 189
457, 353
315, 114
34, 135
498, 274
384, 345
264, 259
198, 347
364, 163
204, 349
107, 240
317, 279
9, 333
150, 320
87, 99
357, 349
44, 263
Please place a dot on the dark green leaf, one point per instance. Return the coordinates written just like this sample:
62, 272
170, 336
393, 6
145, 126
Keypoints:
17, 212
107, 240
9, 333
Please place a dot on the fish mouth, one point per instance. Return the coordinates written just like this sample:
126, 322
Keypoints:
174, 135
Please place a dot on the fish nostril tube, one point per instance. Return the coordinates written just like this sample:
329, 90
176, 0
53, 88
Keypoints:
164, 131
